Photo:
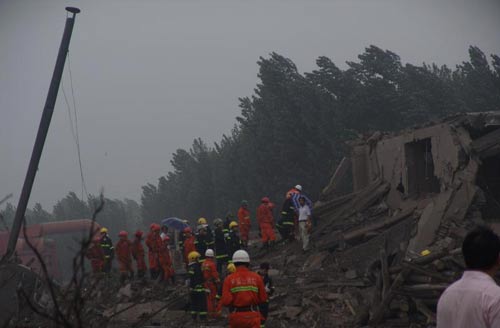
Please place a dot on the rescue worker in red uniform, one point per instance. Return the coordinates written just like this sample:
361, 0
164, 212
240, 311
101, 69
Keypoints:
138, 254
123, 250
266, 223
197, 291
242, 293
244, 223
212, 280
166, 260
96, 255
189, 243
153, 241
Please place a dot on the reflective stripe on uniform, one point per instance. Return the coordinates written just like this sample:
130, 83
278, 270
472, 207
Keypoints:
244, 289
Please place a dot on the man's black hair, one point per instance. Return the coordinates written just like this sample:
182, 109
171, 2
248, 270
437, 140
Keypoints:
242, 263
264, 266
481, 248
302, 198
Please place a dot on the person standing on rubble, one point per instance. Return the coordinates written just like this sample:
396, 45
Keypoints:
95, 255
286, 224
196, 288
244, 222
266, 223
220, 242
243, 292
474, 300
305, 223
268, 284
166, 261
212, 281
233, 240
138, 254
201, 242
153, 241
188, 244
124, 256
108, 249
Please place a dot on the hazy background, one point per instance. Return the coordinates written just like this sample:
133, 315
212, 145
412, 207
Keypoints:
150, 76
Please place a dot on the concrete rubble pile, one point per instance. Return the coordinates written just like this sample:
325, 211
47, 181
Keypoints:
385, 252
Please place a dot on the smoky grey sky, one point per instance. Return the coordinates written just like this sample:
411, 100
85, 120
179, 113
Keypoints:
152, 75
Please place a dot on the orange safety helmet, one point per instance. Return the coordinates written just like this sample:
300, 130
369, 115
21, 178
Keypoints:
123, 233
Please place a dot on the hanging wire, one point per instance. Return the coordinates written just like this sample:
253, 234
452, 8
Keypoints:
73, 118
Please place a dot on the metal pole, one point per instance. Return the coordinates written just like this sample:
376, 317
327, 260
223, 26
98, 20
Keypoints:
42, 133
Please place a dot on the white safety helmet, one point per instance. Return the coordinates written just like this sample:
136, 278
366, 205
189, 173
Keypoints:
209, 253
298, 187
241, 256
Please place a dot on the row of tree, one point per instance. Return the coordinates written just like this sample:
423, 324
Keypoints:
293, 131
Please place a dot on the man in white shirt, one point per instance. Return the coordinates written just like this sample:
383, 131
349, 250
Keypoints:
474, 300
304, 223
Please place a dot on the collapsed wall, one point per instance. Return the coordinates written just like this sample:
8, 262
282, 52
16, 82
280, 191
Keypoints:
415, 195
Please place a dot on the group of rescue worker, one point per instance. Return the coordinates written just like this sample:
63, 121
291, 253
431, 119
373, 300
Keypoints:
102, 252
210, 254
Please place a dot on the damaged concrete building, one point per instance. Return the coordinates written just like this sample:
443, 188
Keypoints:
415, 195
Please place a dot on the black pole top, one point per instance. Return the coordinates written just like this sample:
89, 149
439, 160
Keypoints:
73, 10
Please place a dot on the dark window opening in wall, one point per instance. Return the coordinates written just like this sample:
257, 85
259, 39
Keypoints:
488, 179
420, 166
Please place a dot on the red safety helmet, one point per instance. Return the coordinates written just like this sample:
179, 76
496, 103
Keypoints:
157, 227
123, 233
139, 233
152, 226
265, 200
187, 230
96, 240
166, 238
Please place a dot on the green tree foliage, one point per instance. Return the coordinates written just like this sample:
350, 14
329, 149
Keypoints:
293, 129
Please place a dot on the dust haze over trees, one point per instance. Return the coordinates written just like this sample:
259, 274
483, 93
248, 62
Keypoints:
293, 130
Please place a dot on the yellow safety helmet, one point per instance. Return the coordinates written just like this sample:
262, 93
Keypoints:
193, 256
231, 268
202, 221
104, 230
233, 224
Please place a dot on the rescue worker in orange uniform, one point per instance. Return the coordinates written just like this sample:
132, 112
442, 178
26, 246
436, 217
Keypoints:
123, 250
153, 241
244, 222
197, 291
138, 254
96, 255
212, 281
266, 223
242, 293
189, 243
166, 260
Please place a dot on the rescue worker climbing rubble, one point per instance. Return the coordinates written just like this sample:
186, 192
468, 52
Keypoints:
138, 254
108, 249
124, 257
242, 293
244, 223
266, 223
198, 300
212, 281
